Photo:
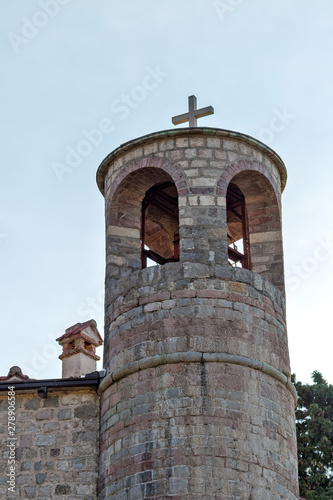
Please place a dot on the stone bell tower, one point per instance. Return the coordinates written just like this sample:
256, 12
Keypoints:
197, 401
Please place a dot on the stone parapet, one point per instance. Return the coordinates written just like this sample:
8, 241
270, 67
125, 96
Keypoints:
185, 306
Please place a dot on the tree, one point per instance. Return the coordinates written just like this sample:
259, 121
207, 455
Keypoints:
314, 424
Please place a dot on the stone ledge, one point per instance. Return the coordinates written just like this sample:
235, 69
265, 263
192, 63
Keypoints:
196, 357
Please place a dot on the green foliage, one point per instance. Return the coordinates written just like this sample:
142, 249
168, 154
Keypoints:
314, 423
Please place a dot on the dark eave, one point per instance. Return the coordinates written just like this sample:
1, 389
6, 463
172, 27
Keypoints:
90, 381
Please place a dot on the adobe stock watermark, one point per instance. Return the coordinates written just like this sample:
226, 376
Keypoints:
277, 124
31, 27
11, 440
121, 109
40, 358
91, 305
322, 252
222, 8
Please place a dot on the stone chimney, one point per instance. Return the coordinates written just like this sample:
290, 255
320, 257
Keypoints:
79, 344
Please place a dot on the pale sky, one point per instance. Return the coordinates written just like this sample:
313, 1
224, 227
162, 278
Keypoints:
71, 67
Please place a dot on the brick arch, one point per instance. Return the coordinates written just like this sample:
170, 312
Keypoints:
172, 169
124, 208
241, 166
263, 209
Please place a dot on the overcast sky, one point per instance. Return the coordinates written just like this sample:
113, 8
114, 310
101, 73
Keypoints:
80, 77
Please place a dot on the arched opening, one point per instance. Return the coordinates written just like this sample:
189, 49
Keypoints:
254, 226
237, 228
142, 222
160, 225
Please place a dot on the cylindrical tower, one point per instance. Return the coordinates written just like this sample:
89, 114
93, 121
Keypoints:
197, 401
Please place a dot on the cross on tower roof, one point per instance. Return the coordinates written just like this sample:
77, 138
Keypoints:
193, 113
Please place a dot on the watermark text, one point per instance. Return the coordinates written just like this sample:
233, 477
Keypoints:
278, 122
31, 27
11, 440
223, 8
302, 271
121, 109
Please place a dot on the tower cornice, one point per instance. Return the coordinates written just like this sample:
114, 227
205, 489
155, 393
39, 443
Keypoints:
181, 132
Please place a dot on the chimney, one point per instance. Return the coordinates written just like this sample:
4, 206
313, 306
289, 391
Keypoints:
15, 375
79, 344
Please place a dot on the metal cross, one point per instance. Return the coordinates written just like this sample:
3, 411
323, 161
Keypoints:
193, 113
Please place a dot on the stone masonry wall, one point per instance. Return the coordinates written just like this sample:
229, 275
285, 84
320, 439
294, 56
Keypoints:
197, 401
57, 445
187, 306
200, 430
201, 167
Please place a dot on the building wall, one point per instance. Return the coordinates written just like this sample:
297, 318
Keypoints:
57, 445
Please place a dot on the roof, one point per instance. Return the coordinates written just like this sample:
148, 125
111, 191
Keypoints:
15, 374
89, 381
78, 328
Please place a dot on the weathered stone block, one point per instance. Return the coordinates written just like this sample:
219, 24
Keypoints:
30, 491
85, 411
32, 404
40, 478
65, 414
42, 440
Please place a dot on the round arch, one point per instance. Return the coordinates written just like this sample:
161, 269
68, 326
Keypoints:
263, 217
246, 165
172, 169
124, 211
